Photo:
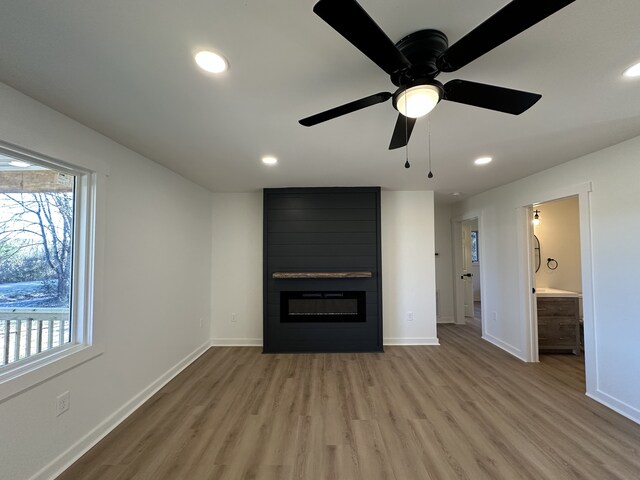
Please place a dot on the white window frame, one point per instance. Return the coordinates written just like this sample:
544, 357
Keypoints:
85, 332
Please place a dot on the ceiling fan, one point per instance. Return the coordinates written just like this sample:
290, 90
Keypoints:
416, 60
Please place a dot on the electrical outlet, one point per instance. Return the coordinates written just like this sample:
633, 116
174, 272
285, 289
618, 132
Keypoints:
495, 316
409, 316
200, 322
234, 317
63, 403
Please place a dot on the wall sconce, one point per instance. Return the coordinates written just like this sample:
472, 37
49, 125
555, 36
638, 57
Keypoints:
536, 217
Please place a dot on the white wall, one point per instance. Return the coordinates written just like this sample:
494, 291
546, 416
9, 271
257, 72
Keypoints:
156, 290
444, 263
408, 268
614, 332
236, 286
559, 235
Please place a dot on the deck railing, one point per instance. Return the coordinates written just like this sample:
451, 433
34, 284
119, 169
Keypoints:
28, 331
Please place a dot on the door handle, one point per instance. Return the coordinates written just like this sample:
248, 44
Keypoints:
466, 275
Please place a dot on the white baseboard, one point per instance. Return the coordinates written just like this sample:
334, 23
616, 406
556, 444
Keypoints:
411, 341
73, 453
236, 342
516, 352
616, 405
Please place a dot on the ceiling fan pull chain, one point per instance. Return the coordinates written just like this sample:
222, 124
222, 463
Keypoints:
430, 175
406, 135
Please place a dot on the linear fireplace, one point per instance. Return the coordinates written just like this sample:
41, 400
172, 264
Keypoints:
323, 306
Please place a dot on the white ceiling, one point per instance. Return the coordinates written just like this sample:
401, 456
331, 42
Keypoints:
125, 69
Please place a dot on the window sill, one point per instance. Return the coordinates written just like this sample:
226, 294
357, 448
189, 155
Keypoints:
31, 372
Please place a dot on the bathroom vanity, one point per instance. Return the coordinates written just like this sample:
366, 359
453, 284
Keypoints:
558, 321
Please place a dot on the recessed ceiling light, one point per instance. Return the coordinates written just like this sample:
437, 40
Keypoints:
632, 71
18, 163
211, 62
456, 194
483, 160
269, 160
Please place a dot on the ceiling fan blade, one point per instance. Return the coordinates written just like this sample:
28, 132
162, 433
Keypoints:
399, 138
513, 19
489, 96
346, 108
350, 20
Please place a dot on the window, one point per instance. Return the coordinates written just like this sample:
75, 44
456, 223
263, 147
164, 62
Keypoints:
475, 253
36, 258
47, 232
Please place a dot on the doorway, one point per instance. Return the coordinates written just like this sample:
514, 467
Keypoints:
528, 298
557, 277
467, 269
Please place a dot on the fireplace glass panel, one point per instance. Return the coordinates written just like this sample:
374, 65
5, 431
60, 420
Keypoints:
345, 306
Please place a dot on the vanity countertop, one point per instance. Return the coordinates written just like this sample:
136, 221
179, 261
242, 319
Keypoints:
555, 292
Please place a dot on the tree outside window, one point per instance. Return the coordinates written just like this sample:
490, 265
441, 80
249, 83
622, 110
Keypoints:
36, 261
475, 254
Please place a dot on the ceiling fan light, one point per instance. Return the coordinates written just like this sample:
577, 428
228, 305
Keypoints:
416, 102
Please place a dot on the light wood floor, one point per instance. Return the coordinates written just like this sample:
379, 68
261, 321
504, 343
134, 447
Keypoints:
464, 410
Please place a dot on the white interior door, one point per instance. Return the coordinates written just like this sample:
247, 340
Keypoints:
467, 270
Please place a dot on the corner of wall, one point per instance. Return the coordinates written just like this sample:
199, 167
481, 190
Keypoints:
84, 444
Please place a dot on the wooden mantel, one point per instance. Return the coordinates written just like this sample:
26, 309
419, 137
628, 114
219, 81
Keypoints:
284, 275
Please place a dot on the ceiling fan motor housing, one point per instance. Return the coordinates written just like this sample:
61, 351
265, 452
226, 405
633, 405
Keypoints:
422, 49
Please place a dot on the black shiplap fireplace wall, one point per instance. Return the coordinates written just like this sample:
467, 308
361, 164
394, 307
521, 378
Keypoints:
333, 231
